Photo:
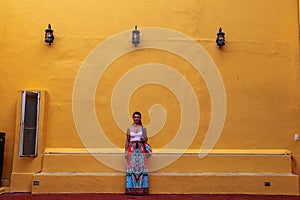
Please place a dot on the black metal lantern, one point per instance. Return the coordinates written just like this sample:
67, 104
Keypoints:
49, 37
220, 38
135, 36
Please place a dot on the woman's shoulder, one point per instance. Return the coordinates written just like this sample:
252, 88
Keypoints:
132, 128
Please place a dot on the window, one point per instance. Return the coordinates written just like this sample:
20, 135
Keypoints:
29, 123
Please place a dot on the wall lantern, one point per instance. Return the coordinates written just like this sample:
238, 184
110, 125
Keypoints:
220, 38
49, 37
135, 36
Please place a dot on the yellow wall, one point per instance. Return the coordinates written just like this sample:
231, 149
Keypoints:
259, 66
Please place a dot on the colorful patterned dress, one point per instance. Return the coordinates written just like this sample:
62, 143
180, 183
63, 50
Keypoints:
136, 172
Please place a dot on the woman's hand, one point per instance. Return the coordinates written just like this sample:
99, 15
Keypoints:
144, 139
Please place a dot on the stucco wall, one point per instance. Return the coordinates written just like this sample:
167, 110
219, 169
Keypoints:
259, 67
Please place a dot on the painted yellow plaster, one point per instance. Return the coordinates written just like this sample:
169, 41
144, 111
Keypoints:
259, 66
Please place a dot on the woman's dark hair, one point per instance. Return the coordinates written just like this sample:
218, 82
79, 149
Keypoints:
139, 114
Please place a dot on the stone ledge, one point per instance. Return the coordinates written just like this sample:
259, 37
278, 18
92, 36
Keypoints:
173, 183
170, 151
236, 161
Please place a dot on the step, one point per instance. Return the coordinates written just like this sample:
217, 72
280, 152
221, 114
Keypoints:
235, 171
171, 160
168, 183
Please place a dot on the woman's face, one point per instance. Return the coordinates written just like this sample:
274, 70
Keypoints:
136, 119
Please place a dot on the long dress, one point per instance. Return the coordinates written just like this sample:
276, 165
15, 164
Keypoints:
136, 169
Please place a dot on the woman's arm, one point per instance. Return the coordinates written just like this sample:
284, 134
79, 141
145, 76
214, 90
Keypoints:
145, 138
127, 139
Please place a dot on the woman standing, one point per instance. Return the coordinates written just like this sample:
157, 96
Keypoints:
136, 171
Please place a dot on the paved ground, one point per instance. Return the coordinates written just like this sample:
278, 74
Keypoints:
27, 196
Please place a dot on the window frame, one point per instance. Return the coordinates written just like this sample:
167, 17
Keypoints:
22, 124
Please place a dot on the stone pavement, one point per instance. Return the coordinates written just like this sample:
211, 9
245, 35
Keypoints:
28, 196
